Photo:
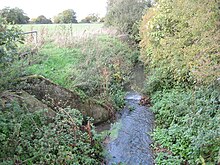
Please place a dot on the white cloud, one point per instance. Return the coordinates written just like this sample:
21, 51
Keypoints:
50, 8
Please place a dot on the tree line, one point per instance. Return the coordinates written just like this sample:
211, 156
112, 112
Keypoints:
18, 16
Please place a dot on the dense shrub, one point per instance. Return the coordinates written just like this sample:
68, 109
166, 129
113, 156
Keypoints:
180, 47
187, 125
182, 39
33, 138
9, 39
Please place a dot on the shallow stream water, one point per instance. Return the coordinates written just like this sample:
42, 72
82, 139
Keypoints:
129, 140
132, 144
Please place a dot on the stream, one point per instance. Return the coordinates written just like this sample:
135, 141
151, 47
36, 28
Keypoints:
132, 144
129, 141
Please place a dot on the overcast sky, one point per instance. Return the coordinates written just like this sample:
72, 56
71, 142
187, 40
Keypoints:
50, 8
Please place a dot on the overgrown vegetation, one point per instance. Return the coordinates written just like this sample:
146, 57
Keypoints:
90, 63
187, 125
180, 44
34, 138
28, 137
180, 47
9, 39
99, 65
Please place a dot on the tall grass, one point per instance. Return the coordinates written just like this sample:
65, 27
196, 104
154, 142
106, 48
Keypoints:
93, 60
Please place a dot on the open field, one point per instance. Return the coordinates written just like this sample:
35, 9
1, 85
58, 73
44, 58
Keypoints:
55, 27
64, 33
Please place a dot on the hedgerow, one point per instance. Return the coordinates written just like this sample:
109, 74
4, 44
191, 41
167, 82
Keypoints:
180, 48
180, 41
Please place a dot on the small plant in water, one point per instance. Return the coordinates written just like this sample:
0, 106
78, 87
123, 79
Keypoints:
131, 108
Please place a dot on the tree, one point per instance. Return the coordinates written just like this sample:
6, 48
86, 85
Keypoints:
42, 20
14, 15
91, 18
67, 16
124, 14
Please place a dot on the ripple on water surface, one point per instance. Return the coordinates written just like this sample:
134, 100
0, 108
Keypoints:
132, 146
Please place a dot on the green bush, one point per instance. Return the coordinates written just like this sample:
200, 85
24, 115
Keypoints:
181, 40
187, 125
180, 47
9, 39
33, 138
